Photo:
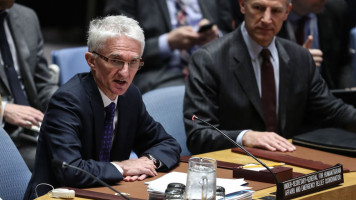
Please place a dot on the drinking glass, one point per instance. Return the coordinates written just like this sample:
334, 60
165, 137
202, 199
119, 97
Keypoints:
201, 179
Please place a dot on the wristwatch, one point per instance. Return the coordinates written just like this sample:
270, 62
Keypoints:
156, 162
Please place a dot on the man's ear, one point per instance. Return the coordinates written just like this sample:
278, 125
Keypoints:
242, 6
90, 60
288, 11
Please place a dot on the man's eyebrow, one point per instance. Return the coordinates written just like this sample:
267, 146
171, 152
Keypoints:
257, 3
115, 55
119, 56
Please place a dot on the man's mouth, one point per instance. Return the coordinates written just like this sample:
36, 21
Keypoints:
120, 81
265, 28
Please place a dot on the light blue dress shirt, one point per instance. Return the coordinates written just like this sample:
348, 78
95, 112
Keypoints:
194, 16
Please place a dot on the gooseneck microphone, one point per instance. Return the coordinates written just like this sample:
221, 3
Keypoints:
66, 165
236, 144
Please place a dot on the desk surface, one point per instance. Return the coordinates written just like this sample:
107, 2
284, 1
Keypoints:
138, 189
346, 191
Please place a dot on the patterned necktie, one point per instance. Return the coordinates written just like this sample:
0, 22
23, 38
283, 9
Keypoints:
181, 13
10, 70
108, 133
268, 91
182, 21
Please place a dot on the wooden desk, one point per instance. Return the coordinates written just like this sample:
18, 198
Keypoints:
346, 191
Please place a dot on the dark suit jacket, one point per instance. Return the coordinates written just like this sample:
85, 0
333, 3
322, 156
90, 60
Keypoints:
37, 79
334, 33
72, 132
222, 90
351, 4
153, 17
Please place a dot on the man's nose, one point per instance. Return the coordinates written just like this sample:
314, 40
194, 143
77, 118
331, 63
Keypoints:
125, 69
267, 16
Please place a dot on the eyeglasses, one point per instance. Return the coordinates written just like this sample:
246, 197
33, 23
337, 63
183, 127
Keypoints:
133, 64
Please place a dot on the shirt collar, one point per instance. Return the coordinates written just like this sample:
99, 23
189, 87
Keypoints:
254, 49
107, 100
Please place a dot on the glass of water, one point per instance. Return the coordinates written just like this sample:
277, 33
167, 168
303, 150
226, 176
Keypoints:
201, 179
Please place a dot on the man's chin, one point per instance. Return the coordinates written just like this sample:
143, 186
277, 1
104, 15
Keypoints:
264, 37
264, 42
121, 90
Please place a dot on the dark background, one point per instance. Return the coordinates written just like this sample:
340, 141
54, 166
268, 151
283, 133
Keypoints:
64, 23
65, 20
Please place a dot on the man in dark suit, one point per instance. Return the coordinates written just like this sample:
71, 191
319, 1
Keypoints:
352, 14
228, 86
324, 30
168, 39
96, 119
22, 52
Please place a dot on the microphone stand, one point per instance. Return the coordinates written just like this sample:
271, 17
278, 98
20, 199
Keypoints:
66, 165
243, 149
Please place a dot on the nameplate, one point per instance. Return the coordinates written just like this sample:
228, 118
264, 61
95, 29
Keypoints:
310, 183
281, 173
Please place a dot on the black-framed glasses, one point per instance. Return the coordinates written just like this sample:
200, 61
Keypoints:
133, 64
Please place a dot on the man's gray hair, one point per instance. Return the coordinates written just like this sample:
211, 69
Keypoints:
101, 29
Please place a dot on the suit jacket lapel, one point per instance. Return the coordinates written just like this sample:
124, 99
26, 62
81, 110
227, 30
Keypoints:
244, 71
4, 79
23, 53
124, 133
97, 107
284, 83
19, 42
162, 4
122, 106
206, 11
18, 37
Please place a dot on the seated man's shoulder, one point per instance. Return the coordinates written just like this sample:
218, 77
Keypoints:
132, 95
220, 45
24, 10
338, 6
290, 45
133, 91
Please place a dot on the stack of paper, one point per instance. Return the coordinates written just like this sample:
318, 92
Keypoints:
240, 195
156, 188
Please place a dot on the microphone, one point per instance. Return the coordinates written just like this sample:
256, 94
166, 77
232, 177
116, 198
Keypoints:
66, 165
236, 144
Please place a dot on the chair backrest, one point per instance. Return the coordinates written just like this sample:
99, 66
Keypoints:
353, 49
70, 62
14, 173
165, 105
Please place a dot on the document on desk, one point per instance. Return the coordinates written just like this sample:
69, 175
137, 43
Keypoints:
159, 185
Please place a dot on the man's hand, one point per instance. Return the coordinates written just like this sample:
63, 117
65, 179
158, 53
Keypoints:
24, 116
208, 35
183, 38
137, 169
316, 53
267, 140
